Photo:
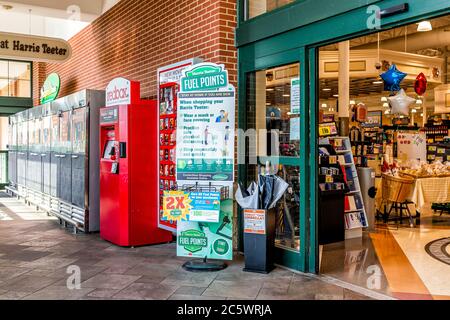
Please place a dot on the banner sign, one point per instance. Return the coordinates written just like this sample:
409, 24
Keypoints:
206, 126
374, 120
26, 47
205, 206
206, 239
193, 206
295, 96
176, 206
50, 89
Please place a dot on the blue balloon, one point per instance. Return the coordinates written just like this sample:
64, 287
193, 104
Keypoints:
392, 79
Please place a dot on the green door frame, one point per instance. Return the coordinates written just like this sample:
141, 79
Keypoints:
259, 48
288, 258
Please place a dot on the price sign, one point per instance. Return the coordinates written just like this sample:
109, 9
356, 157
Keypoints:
324, 131
327, 129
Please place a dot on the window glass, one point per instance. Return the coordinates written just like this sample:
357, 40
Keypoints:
64, 132
15, 79
4, 87
273, 133
258, 7
55, 132
46, 133
79, 130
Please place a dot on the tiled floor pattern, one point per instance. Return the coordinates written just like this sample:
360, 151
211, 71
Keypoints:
35, 254
406, 271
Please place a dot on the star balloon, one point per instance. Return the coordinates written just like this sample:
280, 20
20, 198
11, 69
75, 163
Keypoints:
400, 103
392, 79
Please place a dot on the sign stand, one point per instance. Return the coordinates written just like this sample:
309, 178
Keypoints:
203, 265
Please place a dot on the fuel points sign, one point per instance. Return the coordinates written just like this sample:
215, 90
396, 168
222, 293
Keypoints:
206, 126
214, 240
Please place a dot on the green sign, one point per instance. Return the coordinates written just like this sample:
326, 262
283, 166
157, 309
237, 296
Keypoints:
207, 239
50, 89
204, 77
192, 240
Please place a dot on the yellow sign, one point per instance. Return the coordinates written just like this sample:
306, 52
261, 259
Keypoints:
324, 131
176, 206
26, 47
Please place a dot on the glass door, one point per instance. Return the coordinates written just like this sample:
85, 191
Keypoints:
275, 121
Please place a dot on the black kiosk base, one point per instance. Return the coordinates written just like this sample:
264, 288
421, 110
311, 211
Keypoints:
204, 266
259, 249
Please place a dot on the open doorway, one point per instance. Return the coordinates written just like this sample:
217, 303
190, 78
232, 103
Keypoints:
384, 168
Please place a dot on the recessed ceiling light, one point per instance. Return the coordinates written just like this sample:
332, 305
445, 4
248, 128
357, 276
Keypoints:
326, 89
424, 26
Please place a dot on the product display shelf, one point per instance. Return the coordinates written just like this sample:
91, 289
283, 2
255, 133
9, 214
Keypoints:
342, 146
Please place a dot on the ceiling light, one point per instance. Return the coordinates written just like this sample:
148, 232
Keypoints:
384, 99
424, 26
419, 101
385, 105
270, 89
286, 95
352, 102
336, 95
421, 114
378, 82
324, 105
414, 111
387, 112
326, 89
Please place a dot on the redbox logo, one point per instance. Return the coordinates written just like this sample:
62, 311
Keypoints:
118, 94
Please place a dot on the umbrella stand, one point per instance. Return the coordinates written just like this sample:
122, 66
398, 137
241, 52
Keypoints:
204, 265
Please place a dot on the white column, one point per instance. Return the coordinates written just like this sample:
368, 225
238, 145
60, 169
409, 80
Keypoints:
344, 79
344, 88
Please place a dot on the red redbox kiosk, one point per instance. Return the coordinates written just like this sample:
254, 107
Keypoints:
129, 167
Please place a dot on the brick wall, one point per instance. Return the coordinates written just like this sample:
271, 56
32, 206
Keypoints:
39, 75
136, 37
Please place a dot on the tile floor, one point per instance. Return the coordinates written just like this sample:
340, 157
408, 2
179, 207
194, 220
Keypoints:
35, 254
